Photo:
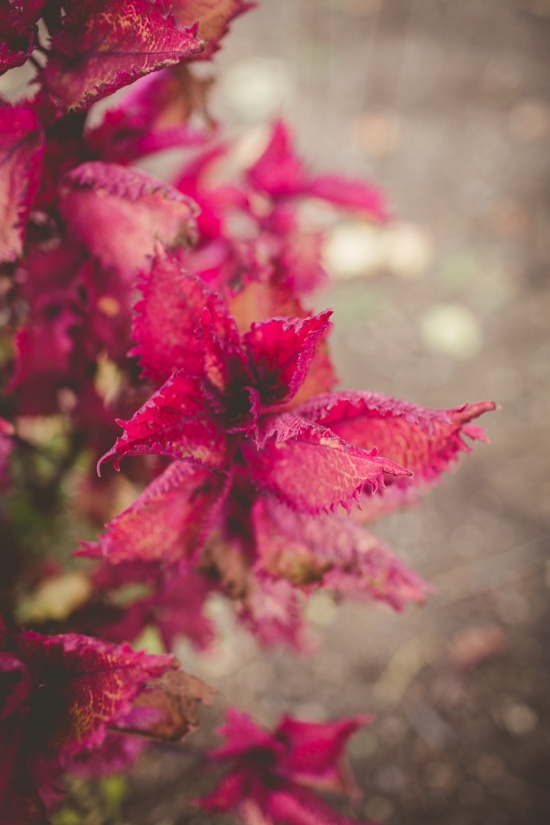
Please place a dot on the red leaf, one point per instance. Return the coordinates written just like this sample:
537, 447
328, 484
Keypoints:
167, 522
21, 150
121, 214
18, 31
271, 775
213, 16
174, 310
312, 469
424, 440
280, 173
175, 421
105, 44
282, 350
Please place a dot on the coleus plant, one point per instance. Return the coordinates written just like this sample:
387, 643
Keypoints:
260, 477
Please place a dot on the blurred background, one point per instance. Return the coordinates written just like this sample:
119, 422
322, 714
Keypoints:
445, 105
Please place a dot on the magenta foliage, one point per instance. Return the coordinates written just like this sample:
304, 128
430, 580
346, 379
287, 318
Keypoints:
175, 309
272, 777
60, 695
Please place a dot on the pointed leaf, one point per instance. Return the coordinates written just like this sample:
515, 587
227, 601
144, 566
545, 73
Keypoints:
121, 214
312, 469
21, 149
424, 440
176, 421
106, 44
167, 522
281, 351
176, 309
350, 194
335, 553
314, 752
279, 171
213, 17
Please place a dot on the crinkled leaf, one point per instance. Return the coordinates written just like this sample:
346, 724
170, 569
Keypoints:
424, 440
282, 350
176, 422
106, 44
21, 149
120, 214
85, 685
332, 552
312, 469
213, 17
167, 521
175, 309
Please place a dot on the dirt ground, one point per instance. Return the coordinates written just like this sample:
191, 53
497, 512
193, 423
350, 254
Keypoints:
447, 106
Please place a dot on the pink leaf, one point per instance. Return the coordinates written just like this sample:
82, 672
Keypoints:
350, 194
21, 150
121, 214
175, 309
272, 612
271, 775
424, 440
106, 44
282, 350
280, 173
312, 469
175, 421
332, 552
167, 522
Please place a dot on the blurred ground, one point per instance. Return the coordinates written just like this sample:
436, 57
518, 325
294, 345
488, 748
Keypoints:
447, 106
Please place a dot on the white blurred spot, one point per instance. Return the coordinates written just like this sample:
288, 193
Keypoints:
357, 249
451, 329
409, 250
354, 249
257, 88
